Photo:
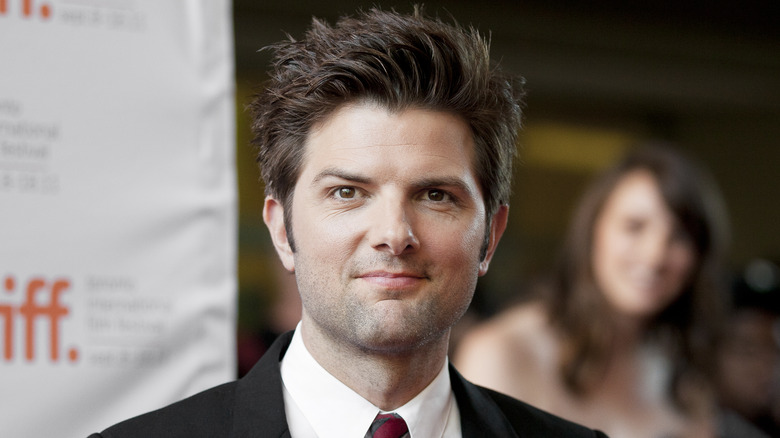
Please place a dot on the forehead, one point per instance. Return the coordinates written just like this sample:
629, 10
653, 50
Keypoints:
637, 191
371, 137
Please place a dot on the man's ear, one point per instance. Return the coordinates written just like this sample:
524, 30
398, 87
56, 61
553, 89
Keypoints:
273, 216
497, 227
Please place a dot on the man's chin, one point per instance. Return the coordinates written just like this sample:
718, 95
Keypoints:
397, 340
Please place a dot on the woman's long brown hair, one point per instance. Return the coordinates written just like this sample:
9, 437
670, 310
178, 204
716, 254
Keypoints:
689, 327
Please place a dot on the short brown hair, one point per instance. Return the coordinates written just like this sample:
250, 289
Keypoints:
398, 61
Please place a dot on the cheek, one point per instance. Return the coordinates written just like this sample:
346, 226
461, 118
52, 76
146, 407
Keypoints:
608, 250
461, 245
682, 263
322, 230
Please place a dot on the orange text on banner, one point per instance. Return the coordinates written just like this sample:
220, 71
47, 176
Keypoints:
31, 310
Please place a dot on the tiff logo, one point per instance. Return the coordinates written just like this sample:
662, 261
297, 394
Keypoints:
27, 8
30, 311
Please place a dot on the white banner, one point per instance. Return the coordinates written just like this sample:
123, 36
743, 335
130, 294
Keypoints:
117, 209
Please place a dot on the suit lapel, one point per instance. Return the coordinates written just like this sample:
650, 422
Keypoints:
479, 414
259, 404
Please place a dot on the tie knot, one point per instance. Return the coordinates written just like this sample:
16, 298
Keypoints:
388, 426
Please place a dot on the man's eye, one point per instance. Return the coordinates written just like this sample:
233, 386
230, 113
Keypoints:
345, 192
436, 195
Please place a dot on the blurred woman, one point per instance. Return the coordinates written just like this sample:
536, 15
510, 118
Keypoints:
623, 336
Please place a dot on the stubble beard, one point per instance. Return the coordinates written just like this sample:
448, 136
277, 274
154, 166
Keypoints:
389, 327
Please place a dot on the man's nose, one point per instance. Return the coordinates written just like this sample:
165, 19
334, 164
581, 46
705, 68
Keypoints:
392, 227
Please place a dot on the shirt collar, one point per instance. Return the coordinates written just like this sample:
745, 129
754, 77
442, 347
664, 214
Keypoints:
428, 412
334, 410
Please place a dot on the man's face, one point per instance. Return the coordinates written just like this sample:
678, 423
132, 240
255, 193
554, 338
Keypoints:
389, 220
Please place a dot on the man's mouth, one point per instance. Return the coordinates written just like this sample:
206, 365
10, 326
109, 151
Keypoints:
393, 279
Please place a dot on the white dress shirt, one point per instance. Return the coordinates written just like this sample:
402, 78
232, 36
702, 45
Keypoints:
319, 406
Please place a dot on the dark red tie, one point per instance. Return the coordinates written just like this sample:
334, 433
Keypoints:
387, 426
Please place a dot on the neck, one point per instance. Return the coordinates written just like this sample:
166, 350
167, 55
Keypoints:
387, 379
628, 332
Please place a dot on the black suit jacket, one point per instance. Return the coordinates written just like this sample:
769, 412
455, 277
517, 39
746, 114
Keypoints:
253, 406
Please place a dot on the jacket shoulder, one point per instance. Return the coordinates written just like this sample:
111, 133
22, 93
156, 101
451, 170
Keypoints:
527, 419
208, 413
238, 408
485, 412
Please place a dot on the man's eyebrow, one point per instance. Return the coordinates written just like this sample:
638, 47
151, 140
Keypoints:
341, 174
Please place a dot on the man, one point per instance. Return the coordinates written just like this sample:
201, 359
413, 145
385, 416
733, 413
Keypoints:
386, 145
748, 356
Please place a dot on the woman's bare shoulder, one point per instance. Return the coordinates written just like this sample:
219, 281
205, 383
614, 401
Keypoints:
514, 343
517, 324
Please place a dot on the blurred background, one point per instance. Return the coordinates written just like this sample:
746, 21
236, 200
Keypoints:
599, 76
